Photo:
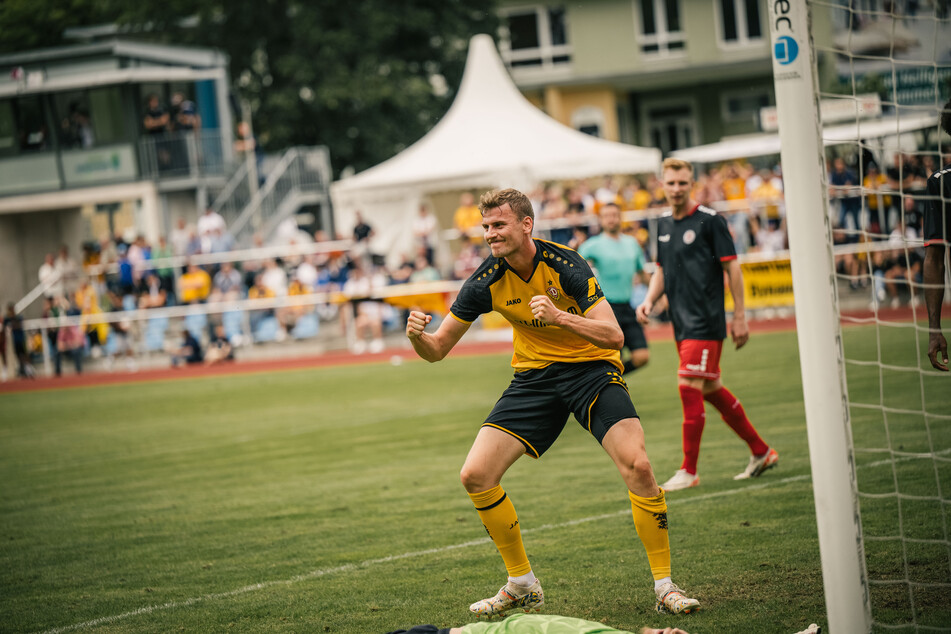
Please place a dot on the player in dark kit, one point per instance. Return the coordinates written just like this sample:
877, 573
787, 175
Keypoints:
694, 249
937, 232
566, 360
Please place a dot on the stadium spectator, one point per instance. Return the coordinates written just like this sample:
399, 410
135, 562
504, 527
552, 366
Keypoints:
468, 260
68, 270
53, 309
467, 219
633, 196
156, 122
274, 277
151, 292
289, 315
48, 274
219, 348
618, 261
184, 115
208, 223
556, 289
880, 204
121, 333
188, 351
306, 273
70, 341
14, 323
366, 317
733, 184
125, 282
157, 119
221, 241
769, 237
194, 285
425, 231
694, 249
937, 233
247, 147
3, 351
164, 272
139, 253
180, 236
259, 290
363, 233
227, 284
86, 298
844, 193
423, 270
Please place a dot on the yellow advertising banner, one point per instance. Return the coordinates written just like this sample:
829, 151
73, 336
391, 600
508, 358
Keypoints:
765, 284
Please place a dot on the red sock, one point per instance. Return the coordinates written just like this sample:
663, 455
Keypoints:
694, 418
734, 416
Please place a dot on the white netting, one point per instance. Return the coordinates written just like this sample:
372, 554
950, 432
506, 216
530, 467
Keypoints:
896, 54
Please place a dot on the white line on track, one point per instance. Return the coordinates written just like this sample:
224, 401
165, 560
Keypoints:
149, 609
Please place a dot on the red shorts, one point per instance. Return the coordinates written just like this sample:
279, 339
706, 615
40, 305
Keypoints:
699, 359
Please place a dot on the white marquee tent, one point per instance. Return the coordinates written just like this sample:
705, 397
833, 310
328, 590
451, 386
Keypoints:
490, 137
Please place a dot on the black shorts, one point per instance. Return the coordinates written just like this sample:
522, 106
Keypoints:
535, 406
634, 338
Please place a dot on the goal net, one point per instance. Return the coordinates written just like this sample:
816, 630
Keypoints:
860, 85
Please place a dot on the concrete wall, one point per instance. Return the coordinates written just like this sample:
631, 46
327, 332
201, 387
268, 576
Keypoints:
25, 239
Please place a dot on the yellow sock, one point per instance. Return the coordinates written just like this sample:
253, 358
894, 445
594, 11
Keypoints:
650, 520
501, 523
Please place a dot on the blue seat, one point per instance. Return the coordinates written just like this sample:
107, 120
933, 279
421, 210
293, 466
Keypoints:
155, 329
196, 324
266, 330
306, 327
231, 322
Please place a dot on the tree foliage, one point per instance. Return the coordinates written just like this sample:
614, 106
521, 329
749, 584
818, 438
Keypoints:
367, 78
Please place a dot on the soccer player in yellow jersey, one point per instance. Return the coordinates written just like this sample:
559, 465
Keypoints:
567, 360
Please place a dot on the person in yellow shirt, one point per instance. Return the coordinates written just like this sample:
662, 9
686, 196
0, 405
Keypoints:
467, 217
567, 360
194, 285
879, 203
734, 185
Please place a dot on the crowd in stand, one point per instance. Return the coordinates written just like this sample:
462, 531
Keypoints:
116, 273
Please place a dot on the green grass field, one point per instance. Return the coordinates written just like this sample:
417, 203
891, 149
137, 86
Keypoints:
328, 500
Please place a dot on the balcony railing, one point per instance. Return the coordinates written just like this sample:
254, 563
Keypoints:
182, 155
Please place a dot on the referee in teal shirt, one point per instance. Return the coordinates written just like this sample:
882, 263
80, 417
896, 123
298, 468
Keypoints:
617, 259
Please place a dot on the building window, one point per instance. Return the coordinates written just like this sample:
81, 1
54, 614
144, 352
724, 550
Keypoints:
588, 119
660, 29
744, 106
740, 21
535, 36
671, 127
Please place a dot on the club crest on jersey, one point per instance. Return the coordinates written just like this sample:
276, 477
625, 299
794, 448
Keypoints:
553, 292
689, 236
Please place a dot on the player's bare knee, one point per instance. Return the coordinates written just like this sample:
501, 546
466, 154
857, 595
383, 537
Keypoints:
474, 480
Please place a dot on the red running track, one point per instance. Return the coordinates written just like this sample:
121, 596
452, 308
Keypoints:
339, 358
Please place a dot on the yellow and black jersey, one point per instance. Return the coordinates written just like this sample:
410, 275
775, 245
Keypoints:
562, 275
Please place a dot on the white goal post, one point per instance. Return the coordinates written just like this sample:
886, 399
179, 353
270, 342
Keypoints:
817, 323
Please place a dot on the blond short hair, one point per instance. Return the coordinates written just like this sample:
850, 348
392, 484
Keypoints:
677, 164
518, 201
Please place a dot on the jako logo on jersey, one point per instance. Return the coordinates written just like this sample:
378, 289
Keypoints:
512, 302
664, 238
786, 50
553, 292
689, 236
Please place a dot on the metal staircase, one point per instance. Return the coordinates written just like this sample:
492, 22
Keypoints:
301, 177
